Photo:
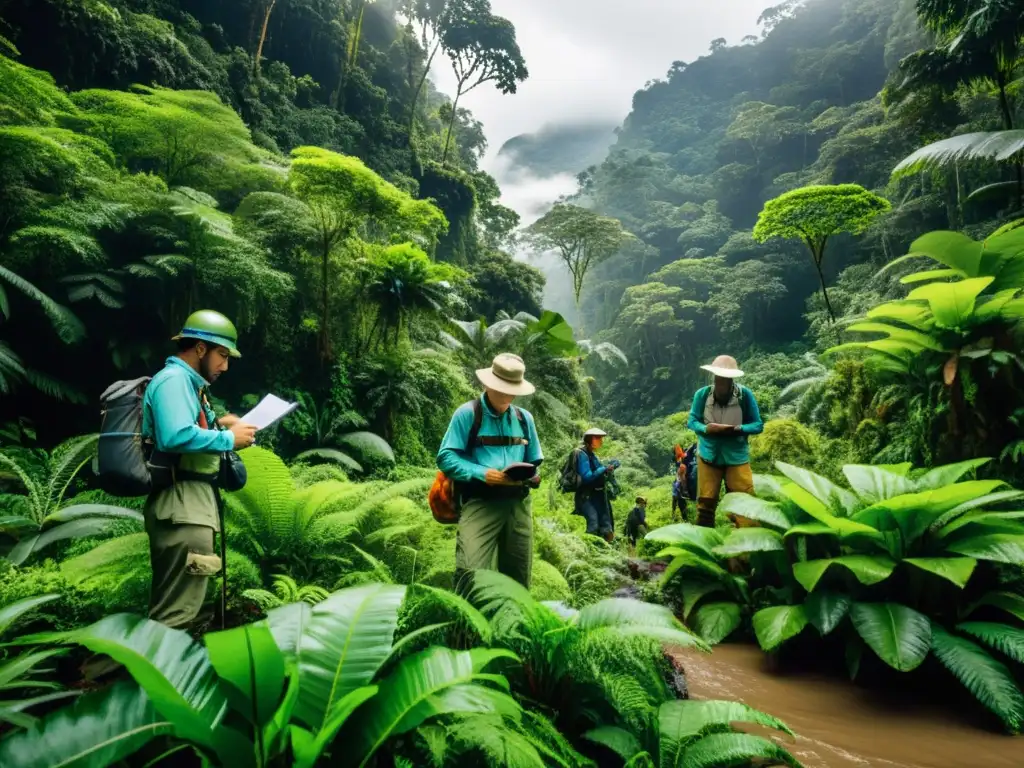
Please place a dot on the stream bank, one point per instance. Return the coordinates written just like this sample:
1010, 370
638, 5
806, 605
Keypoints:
840, 725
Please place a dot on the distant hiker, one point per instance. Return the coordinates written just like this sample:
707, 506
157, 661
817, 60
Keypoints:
679, 493
636, 523
592, 495
182, 513
723, 415
495, 514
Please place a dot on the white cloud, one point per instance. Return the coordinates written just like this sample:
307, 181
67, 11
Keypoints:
588, 57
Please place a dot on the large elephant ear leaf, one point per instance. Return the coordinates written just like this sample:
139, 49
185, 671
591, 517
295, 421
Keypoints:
900, 636
346, 640
251, 667
836, 499
874, 484
101, 728
173, 670
774, 626
936, 478
989, 681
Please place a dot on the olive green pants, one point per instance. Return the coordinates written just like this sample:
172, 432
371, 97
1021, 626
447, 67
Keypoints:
183, 560
494, 534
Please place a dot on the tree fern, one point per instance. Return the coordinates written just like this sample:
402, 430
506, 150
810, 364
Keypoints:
989, 681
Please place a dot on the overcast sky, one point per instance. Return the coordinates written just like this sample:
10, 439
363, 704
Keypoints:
586, 59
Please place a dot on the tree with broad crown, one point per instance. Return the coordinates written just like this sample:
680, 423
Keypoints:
345, 198
581, 237
482, 48
816, 213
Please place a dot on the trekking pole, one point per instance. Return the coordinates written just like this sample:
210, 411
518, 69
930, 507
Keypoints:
223, 560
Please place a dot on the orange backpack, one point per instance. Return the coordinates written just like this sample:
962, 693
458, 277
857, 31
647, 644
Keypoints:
443, 496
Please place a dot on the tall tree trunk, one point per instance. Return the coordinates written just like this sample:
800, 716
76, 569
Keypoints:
451, 126
416, 94
325, 319
1004, 107
351, 55
824, 290
263, 37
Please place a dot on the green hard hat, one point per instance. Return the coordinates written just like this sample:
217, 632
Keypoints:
213, 327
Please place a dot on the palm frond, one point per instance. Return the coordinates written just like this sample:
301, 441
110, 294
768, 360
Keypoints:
999, 146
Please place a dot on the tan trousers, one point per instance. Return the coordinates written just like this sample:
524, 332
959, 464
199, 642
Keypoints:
738, 479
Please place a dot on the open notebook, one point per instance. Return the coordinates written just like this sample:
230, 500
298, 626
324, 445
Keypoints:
270, 410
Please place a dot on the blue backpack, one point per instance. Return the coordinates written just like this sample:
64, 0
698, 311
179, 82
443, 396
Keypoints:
690, 462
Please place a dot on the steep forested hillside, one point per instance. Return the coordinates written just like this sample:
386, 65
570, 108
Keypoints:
821, 99
145, 171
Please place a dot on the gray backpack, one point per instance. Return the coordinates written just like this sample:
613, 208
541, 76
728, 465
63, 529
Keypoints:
121, 466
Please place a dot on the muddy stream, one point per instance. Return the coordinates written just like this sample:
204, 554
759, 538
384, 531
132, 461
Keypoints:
840, 725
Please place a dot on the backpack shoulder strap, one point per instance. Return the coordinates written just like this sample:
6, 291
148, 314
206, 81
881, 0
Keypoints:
521, 417
474, 430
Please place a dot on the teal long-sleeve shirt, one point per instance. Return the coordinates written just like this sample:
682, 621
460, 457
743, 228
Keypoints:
725, 450
170, 412
466, 466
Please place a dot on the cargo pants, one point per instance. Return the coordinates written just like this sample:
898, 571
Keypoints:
494, 534
181, 522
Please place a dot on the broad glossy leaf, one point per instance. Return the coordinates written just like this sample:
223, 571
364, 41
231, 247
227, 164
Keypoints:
1008, 640
951, 249
938, 477
309, 751
811, 529
998, 547
912, 339
874, 484
952, 303
716, 621
989, 681
911, 313
11, 613
720, 749
900, 636
835, 498
741, 541
813, 507
434, 682
618, 740
774, 626
173, 670
753, 508
868, 569
251, 666
1006, 601
694, 537
992, 522
683, 560
955, 569
931, 274
980, 502
101, 728
287, 624
80, 511
826, 608
695, 591
915, 513
347, 639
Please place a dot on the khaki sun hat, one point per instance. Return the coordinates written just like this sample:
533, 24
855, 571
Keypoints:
724, 366
506, 375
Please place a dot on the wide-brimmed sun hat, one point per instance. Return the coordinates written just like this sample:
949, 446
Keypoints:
724, 366
506, 375
595, 432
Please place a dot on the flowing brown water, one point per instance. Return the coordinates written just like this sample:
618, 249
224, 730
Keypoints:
840, 725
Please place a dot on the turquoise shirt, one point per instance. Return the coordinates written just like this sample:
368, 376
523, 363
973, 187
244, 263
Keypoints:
725, 450
170, 412
463, 467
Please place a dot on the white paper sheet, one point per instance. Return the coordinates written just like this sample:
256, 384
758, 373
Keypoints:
269, 410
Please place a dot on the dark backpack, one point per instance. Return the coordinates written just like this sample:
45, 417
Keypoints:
121, 464
569, 475
690, 462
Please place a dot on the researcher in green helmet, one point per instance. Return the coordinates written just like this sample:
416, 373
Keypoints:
188, 440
